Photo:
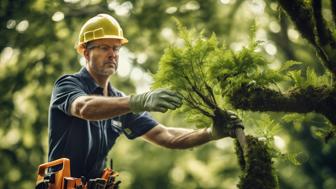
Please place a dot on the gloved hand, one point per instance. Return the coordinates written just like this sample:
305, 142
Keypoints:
224, 124
158, 101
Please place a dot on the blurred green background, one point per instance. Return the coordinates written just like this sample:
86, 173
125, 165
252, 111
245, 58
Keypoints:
37, 46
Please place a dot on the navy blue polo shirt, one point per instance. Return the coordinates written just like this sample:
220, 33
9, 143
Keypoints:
87, 143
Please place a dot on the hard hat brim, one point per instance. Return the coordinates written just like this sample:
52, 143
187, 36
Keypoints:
80, 46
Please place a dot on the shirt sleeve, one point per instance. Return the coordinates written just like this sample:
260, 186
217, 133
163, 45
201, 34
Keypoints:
135, 125
66, 90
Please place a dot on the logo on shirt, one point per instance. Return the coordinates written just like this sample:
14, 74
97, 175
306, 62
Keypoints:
128, 131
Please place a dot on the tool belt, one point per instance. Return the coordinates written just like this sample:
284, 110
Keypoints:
61, 179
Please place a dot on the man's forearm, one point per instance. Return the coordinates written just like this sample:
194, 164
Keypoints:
187, 138
99, 107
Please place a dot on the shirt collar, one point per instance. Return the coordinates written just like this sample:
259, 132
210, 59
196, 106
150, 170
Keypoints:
93, 87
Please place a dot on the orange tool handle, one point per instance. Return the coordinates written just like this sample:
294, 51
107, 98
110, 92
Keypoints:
59, 175
64, 161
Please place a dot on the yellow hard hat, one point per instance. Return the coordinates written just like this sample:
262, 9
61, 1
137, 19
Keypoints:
99, 27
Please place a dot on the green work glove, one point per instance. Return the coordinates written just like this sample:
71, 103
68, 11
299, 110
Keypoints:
225, 124
157, 101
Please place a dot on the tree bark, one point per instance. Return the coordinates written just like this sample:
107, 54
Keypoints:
308, 19
300, 100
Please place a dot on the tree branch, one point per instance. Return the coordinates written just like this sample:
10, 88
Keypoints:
212, 95
204, 112
204, 98
302, 17
196, 102
199, 93
333, 10
323, 33
311, 99
309, 21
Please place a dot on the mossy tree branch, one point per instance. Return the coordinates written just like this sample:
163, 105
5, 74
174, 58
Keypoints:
257, 166
308, 19
256, 98
302, 16
333, 9
323, 33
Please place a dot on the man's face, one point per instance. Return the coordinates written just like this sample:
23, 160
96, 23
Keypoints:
102, 56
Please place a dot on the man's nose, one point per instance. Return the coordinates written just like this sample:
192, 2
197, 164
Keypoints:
113, 52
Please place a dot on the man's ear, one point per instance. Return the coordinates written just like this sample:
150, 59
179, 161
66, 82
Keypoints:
86, 54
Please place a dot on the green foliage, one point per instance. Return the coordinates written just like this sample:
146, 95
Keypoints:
232, 69
270, 127
267, 133
296, 158
194, 71
32, 59
320, 128
185, 70
301, 77
204, 72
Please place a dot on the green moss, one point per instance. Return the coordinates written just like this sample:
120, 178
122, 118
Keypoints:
256, 165
257, 98
301, 100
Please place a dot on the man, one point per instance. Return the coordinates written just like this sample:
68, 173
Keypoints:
87, 114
